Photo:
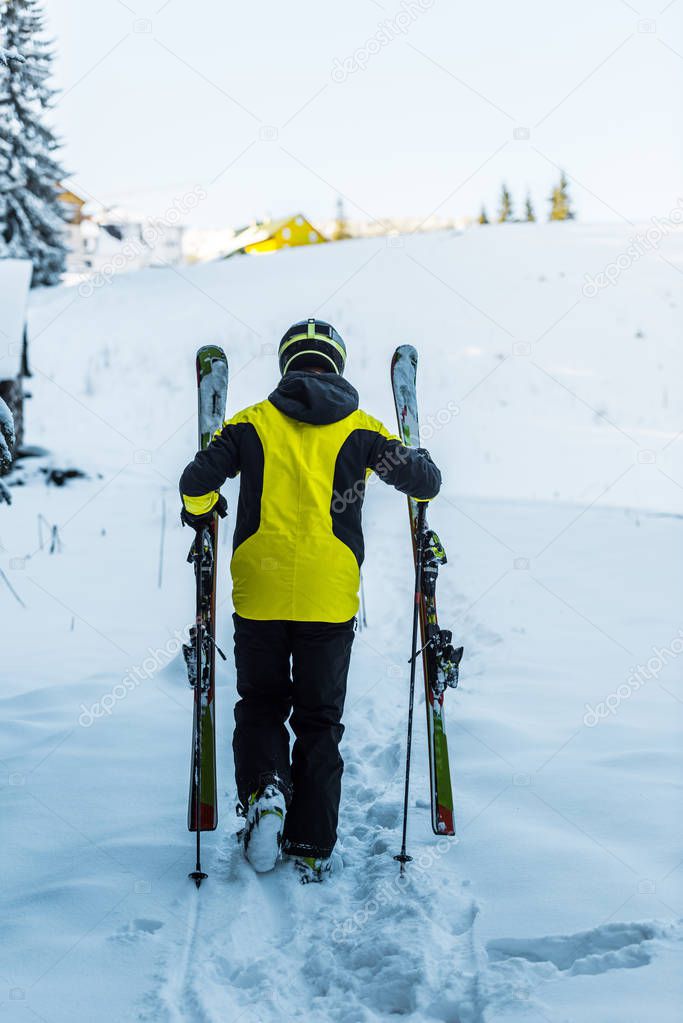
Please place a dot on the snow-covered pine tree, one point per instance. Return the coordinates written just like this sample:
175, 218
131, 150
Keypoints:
560, 203
31, 216
483, 218
529, 214
505, 211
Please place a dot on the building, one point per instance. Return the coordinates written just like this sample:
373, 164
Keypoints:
15, 281
73, 206
337, 229
271, 235
117, 241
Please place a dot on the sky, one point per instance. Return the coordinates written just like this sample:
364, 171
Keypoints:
402, 107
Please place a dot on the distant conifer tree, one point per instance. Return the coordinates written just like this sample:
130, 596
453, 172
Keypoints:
505, 211
560, 203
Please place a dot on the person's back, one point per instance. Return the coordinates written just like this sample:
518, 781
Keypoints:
303, 456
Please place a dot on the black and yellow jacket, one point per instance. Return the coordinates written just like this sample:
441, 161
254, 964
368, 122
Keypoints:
304, 455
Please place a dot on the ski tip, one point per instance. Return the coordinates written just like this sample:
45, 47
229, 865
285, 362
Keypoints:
406, 352
210, 351
209, 357
197, 876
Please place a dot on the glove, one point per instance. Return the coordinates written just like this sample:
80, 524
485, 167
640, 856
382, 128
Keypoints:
199, 521
427, 458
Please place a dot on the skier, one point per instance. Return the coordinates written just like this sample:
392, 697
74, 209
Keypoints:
303, 456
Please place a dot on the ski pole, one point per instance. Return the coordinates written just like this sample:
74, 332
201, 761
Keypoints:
403, 856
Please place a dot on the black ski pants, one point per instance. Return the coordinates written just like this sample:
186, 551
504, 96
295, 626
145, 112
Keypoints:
297, 668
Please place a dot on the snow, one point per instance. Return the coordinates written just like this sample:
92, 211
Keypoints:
555, 417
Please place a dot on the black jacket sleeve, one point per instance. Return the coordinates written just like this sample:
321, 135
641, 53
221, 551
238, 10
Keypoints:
210, 468
410, 470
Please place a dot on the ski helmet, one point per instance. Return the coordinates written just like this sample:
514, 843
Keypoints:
314, 343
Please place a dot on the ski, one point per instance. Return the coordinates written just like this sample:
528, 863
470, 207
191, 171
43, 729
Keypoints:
200, 652
440, 661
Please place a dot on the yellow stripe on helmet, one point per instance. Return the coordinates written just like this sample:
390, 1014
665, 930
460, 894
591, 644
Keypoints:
311, 351
317, 337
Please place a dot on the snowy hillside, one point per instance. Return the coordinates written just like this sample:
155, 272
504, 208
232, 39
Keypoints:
554, 412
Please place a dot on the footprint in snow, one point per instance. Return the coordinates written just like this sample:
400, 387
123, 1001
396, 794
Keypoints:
610, 947
136, 929
486, 637
386, 813
388, 757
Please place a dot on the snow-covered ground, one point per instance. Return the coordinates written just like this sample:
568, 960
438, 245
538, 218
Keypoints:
555, 417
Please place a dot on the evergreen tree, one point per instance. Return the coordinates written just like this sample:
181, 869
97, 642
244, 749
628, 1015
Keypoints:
483, 219
31, 216
505, 211
529, 214
560, 203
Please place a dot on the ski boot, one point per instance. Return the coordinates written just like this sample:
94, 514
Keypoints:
262, 836
313, 870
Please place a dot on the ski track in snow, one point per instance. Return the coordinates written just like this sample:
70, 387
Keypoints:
369, 946
277, 954
259, 945
173, 993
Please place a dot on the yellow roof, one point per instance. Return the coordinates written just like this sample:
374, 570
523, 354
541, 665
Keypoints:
68, 196
258, 234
